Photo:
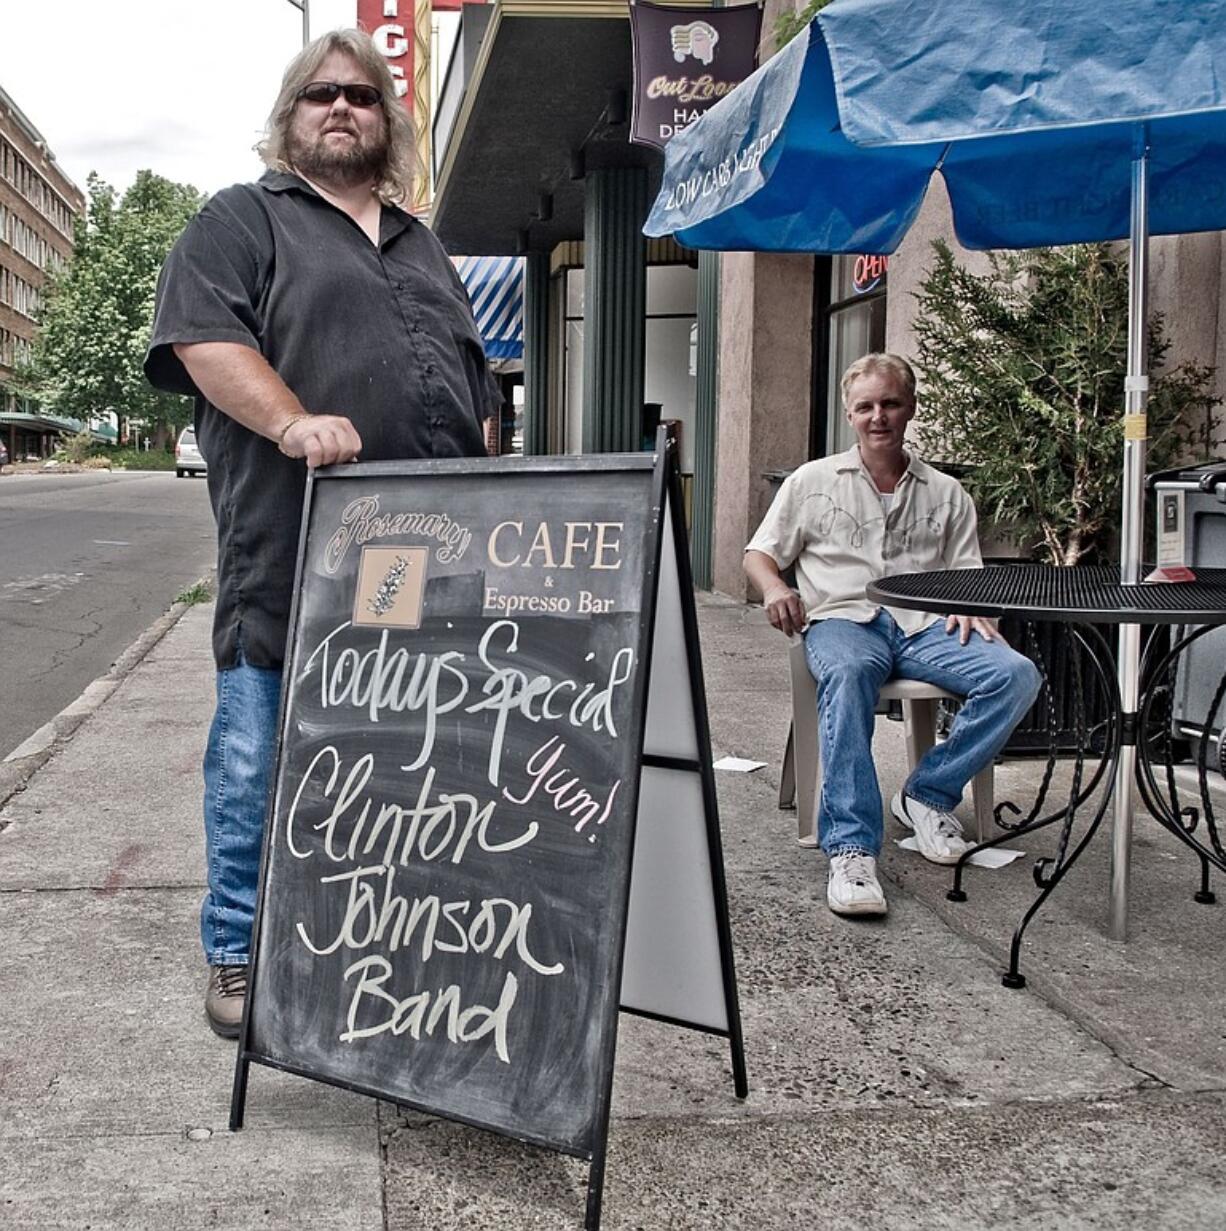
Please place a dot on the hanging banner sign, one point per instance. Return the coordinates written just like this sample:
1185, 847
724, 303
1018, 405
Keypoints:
685, 61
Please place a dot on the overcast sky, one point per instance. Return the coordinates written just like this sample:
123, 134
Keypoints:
181, 88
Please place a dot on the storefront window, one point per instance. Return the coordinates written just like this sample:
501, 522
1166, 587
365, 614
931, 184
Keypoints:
850, 317
670, 379
572, 341
670, 382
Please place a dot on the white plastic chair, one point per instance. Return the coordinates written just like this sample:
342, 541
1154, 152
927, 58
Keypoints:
800, 781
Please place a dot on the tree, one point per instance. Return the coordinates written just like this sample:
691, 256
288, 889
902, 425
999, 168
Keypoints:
791, 22
96, 314
1023, 370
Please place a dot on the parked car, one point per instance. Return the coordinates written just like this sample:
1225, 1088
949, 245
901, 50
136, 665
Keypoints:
4, 454
188, 458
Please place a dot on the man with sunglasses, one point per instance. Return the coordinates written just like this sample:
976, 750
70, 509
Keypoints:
314, 321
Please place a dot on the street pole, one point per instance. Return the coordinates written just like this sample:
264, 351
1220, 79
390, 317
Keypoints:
304, 7
1136, 433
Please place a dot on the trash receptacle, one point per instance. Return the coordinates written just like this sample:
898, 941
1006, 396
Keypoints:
1191, 507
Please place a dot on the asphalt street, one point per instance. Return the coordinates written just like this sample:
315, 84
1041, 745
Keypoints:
88, 561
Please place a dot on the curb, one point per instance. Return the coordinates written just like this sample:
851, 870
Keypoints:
32, 754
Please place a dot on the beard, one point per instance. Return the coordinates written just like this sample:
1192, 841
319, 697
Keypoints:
355, 162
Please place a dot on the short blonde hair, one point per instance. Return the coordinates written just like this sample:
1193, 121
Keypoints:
402, 168
880, 361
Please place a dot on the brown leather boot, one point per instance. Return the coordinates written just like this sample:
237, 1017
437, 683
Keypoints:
224, 1000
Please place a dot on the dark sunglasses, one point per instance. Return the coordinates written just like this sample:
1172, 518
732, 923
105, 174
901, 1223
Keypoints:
355, 95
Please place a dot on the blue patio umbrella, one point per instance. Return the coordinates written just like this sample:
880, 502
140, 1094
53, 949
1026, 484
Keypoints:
1051, 122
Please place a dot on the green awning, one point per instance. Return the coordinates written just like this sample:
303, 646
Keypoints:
103, 433
41, 423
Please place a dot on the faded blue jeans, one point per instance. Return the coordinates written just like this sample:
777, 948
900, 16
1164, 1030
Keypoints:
238, 764
851, 661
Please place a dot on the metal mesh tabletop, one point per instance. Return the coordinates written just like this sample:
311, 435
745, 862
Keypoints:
1039, 591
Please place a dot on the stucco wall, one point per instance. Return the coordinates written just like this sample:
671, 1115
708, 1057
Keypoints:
1186, 287
765, 357
910, 263
765, 344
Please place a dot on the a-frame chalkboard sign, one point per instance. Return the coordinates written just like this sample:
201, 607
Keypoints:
494, 820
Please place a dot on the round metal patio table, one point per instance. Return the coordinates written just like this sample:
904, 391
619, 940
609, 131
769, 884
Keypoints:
1085, 599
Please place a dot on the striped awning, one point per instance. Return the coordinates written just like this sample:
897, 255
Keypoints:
495, 284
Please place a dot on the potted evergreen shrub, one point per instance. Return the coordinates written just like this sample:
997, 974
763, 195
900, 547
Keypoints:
1023, 381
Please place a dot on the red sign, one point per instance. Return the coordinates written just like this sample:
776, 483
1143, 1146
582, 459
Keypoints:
868, 273
390, 24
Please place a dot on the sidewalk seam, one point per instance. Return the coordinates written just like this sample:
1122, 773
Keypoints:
32, 754
1037, 984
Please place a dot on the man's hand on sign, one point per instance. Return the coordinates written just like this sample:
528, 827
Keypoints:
973, 624
784, 609
321, 439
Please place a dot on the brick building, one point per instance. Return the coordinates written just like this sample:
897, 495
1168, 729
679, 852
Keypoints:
38, 207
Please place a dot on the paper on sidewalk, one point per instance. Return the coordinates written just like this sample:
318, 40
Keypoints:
992, 857
738, 765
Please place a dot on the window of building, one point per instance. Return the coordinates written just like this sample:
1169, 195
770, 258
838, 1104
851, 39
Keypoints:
849, 319
14, 349
31, 185
670, 377
18, 294
24, 239
572, 361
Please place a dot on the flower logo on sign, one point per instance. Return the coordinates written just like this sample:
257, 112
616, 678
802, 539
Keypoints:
696, 39
385, 593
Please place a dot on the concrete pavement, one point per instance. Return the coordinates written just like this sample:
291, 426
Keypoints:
894, 1082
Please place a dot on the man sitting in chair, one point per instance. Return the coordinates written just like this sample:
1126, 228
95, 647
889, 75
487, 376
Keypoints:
843, 522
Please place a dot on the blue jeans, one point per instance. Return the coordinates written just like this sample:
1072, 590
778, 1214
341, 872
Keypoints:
238, 764
851, 661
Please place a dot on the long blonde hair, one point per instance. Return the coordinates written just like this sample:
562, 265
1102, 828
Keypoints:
402, 167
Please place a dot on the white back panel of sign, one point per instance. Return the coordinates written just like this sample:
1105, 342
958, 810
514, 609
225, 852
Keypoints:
672, 961
670, 714
672, 964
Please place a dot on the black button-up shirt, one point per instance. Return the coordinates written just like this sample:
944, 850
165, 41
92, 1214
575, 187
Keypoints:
382, 334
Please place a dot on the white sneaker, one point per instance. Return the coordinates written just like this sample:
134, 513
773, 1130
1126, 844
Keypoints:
853, 888
937, 834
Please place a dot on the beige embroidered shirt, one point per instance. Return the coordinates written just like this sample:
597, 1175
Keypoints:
829, 520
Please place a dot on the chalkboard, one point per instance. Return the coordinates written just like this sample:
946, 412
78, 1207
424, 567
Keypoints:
446, 880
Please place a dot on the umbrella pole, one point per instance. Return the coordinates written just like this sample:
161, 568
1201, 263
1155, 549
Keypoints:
1136, 393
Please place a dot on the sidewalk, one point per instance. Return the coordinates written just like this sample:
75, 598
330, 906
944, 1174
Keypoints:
893, 1081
